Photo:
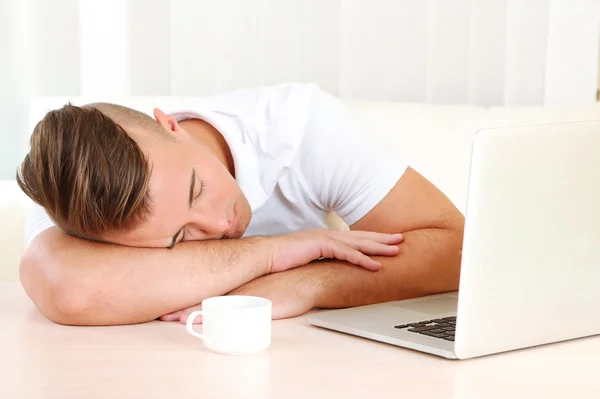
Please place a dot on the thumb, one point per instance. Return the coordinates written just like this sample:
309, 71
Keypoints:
278, 310
171, 316
183, 317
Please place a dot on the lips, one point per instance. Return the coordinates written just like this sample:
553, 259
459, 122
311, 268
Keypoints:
232, 225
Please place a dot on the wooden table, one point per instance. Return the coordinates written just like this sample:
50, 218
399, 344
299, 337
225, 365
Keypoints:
40, 359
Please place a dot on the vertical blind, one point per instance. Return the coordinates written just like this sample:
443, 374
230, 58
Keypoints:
484, 52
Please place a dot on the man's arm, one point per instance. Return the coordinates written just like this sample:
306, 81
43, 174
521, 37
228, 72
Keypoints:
429, 257
79, 282
428, 261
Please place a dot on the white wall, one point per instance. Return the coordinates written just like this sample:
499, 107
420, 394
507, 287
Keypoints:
485, 52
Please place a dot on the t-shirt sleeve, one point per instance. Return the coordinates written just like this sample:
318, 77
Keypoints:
345, 168
37, 221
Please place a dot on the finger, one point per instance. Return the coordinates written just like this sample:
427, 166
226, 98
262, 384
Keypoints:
383, 238
186, 312
358, 258
340, 251
369, 247
396, 238
184, 318
375, 248
171, 316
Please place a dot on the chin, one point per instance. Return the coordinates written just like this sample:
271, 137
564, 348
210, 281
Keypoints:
239, 234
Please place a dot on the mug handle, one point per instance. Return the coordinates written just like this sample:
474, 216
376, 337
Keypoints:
190, 324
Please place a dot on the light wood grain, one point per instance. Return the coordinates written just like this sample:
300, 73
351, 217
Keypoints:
41, 360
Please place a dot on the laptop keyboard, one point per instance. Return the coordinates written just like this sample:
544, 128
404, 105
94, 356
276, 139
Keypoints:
443, 328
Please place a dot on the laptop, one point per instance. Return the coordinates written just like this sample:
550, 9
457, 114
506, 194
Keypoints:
530, 268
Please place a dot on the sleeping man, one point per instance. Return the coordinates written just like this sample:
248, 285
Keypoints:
140, 218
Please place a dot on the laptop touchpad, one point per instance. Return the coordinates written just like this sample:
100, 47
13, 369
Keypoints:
442, 304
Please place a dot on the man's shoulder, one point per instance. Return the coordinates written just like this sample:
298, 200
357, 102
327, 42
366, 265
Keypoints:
273, 127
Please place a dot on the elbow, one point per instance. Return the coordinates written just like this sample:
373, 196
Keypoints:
442, 256
49, 282
68, 308
449, 263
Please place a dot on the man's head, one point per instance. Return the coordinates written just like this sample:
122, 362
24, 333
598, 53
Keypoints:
109, 173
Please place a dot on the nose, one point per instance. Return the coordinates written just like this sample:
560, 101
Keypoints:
212, 225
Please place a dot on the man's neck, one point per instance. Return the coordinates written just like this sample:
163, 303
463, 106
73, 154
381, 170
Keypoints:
212, 139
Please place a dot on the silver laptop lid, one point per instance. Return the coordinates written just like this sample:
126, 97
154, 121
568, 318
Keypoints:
530, 272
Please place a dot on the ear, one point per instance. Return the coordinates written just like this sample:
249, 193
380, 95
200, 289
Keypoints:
166, 121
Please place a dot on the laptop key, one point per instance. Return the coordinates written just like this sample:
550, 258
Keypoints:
449, 338
415, 325
451, 328
401, 326
441, 325
451, 318
438, 320
429, 333
422, 328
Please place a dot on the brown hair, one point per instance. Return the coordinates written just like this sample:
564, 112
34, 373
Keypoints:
86, 171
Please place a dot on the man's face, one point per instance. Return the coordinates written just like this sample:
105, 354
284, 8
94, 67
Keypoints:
193, 196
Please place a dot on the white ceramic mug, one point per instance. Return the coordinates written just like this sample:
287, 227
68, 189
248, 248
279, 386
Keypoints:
234, 325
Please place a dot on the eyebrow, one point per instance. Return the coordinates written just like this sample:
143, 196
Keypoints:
192, 185
191, 198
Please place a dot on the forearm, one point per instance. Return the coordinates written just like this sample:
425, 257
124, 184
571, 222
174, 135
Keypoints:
75, 281
428, 263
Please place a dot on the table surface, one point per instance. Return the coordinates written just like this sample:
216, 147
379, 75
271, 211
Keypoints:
40, 359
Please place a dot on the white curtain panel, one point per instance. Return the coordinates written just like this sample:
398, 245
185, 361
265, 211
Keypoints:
484, 52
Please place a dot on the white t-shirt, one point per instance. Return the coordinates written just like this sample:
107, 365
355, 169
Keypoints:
298, 154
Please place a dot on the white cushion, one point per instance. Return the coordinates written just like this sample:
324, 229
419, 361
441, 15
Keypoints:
436, 139
13, 211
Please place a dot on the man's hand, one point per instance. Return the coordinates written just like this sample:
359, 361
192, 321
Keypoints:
298, 249
292, 295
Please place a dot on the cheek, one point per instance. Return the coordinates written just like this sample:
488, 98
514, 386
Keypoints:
220, 184
218, 179
224, 189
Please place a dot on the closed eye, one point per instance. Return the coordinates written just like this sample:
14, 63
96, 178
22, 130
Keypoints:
202, 187
184, 234
183, 231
